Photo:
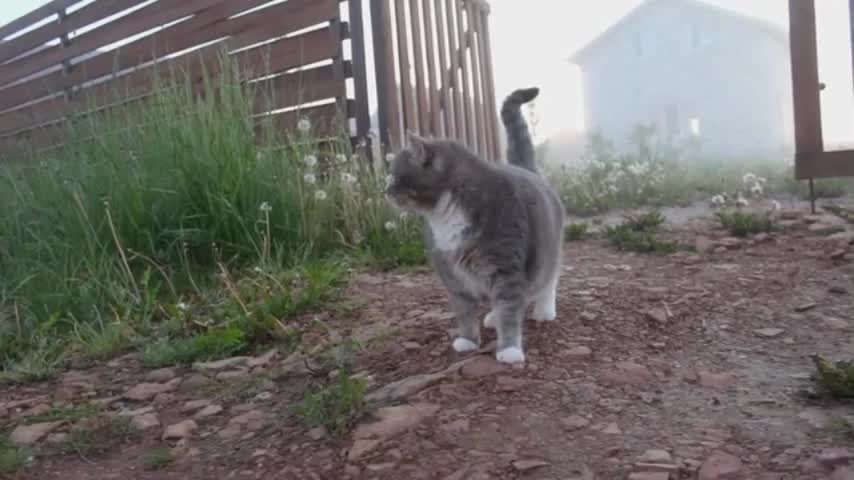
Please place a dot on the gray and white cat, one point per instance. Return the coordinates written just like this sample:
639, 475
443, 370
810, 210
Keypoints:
493, 232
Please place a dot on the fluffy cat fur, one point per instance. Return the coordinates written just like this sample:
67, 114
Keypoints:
493, 232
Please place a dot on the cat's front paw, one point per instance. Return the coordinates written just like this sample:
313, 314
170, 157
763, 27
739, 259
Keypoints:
489, 321
510, 355
462, 345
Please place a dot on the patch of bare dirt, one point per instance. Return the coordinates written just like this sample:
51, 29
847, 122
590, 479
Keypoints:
659, 367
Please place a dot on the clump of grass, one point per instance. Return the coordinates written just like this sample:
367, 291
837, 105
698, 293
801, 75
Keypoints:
637, 233
12, 458
98, 435
69, 413
336, 407
158, 458
37, 363
212, 345
741, 223
577, 231
340, 355
834, 378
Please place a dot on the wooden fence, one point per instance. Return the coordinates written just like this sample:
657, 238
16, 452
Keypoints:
811, 159
432, 69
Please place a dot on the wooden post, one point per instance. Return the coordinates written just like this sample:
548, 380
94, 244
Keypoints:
805, 84
384, 66
360, 72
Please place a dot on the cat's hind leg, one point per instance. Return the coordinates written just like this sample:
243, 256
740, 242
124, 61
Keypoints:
508, 311
468, 327
545, 304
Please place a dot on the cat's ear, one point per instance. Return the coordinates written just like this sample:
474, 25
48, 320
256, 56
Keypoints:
421, 148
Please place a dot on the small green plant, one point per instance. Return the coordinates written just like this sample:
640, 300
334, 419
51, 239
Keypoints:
841, 426
577, 231
637, 233
38, 363
102, 342
834, 378
212, 345
337, 407
12, 458
98, 435
340, 355
742, 224
159, 457
69, 413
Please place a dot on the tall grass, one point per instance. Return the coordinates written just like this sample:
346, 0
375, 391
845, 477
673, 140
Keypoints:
148, 201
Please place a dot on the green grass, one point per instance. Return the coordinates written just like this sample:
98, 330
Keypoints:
577, 231
12, 458
99, 435
637, 233
743, 224
834, 378
158, 458
212, 345
70, 413
336, 407
102, 239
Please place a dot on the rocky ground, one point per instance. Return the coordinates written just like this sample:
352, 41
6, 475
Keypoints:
694, 365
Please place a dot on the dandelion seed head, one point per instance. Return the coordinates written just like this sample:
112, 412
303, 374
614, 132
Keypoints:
310, 161
748, 178
341, 158
304, 125
320, 195
265, 207
390, 226
389, 157
182, 306
309, 178
348, 179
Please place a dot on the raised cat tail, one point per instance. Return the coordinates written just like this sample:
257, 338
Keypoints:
520, 146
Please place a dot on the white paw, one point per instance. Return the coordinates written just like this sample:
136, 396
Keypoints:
544, 314
489, 321
462, 345
510, 355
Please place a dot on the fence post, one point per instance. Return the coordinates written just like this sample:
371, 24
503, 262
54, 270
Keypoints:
66, 42
384, 69
360, 72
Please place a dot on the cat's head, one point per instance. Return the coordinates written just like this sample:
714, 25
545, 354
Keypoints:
422, 173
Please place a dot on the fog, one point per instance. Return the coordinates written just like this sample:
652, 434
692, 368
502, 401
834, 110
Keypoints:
717, 80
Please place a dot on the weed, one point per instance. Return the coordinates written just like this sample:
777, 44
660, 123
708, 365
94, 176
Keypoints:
742, 223
637, 233
157, 458
577, 231
211, 345
38, 363
841, 426
12, 458
834, 378
340, 355
644, 222
97, 435
69, 413
336, 407
100, 343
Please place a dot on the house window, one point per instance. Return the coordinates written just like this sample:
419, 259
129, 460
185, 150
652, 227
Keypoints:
638, 44
695, 126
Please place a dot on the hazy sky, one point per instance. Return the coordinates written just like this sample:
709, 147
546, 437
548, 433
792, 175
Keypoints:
532, 40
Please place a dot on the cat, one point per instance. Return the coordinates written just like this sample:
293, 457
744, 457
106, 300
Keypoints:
493, 232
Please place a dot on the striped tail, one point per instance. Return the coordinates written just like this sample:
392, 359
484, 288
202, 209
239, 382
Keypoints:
520, 146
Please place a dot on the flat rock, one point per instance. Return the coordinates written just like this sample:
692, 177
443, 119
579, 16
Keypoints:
612, 429
579, 353
655, 456
843, 473
392, 421
482, 366
146, 391
180, 431
160, 376
209, 411
57, 438
769, 332
252, 420
224, 364
523, 466
717, 381
575, 422
627, 373
145, 421
834, 457
658, 316
649, 476
317, 434
194, 405
25, 435
264, 360
704, 244
835, 323
405, 388
721, 466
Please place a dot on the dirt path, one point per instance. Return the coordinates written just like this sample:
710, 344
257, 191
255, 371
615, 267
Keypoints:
658, 367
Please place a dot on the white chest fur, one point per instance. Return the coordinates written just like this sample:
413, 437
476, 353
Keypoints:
448, 223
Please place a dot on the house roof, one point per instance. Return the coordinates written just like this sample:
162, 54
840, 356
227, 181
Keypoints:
602, 39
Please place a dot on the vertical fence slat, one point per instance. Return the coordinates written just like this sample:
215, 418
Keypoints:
360, 71
805, 82
447, 101
453, 50
492, 108
433, 87
480, 114
418, 58
471, 128
409, 107
388, 110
